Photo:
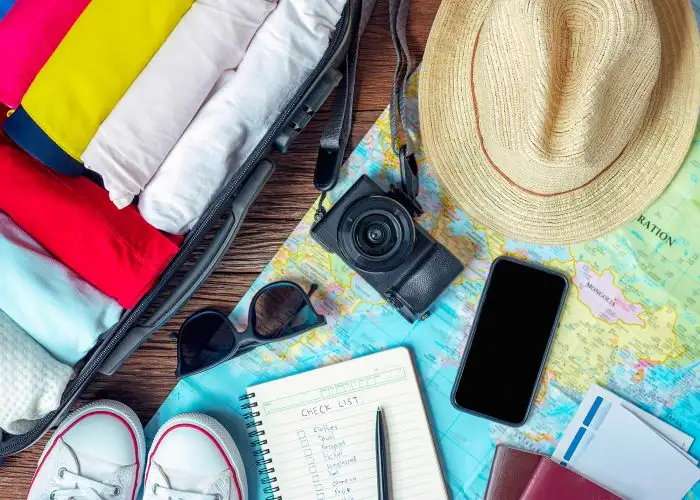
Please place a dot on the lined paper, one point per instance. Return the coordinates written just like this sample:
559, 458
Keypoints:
320, 430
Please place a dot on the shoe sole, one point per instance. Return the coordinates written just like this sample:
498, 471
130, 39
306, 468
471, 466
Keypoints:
215, 430
117, 408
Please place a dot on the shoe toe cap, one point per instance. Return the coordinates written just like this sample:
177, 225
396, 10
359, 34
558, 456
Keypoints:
105, 436
192, 449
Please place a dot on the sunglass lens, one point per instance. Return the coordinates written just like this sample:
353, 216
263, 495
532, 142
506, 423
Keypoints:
205, 339
282, 310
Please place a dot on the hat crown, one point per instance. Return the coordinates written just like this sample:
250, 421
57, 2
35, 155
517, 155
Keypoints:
561, 86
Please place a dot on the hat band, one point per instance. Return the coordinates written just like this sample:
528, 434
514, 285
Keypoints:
488, 157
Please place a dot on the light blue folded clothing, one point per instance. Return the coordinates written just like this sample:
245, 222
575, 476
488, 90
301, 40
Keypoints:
50, 302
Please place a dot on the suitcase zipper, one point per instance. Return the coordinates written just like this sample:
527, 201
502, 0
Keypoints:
195, 236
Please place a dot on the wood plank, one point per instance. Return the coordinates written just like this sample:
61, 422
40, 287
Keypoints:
147, 378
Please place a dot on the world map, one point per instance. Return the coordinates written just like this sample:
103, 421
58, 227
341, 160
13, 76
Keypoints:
631, 321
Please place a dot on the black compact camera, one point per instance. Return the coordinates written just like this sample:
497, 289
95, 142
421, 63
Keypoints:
374, 232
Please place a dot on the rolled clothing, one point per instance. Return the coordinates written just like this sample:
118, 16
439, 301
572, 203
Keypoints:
29, 34
90, 70
31, 380
72, 218
26, 134
3, 117
50, 302
243, 106
137, 135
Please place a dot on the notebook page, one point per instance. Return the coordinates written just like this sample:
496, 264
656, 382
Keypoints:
320, 430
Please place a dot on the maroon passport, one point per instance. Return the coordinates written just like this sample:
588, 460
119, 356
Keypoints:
551, 480
510, 473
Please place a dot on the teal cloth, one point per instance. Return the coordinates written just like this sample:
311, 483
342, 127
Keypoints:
50, 302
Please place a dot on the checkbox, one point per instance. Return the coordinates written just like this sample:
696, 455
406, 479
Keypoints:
318, 487
307, 452
301, 434
309, 460
304, 443
314, 478
320, 496
313, 469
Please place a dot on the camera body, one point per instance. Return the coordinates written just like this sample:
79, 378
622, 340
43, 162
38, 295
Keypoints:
375, 234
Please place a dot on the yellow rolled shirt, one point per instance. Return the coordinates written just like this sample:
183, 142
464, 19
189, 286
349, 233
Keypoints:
94, 65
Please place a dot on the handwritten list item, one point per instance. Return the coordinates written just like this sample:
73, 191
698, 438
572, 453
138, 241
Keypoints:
320, 428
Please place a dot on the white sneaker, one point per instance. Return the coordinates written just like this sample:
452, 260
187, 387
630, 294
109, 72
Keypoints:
194, 458
97, 453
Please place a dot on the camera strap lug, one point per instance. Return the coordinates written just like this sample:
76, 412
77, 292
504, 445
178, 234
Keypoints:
320, 209
391, 299
394, 301
407, 194
411, 204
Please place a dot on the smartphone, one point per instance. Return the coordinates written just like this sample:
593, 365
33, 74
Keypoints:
510, 338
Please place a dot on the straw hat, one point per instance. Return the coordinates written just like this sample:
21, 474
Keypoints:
556, 121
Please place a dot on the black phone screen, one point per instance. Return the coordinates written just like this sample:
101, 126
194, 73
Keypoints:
509, 341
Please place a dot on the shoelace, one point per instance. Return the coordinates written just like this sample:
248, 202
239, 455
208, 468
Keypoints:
163, 492
83, 487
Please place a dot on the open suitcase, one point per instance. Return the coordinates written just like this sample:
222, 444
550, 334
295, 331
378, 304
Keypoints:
220, 222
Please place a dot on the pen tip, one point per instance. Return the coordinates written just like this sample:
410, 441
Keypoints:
379, 408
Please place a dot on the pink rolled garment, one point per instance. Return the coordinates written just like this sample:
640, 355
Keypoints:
29, 34
241, 109
137, 135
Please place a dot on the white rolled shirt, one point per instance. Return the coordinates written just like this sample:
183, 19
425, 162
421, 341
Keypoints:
137, 135
239, 112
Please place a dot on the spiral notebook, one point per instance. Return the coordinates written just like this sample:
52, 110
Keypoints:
315, 431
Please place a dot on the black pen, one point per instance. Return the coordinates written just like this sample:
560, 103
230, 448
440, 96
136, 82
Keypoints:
382, 462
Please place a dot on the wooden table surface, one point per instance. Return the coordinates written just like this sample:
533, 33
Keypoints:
147, 378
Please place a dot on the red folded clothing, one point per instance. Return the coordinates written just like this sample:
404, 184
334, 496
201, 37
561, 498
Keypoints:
115, 250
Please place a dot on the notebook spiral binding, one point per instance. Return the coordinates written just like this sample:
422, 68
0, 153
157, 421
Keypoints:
261, 453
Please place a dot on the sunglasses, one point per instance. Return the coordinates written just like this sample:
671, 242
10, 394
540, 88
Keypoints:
279, 311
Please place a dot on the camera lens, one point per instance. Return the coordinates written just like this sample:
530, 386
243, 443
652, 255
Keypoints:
376, 234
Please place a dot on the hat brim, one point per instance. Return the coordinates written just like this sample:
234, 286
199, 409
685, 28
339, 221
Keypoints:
641, 173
